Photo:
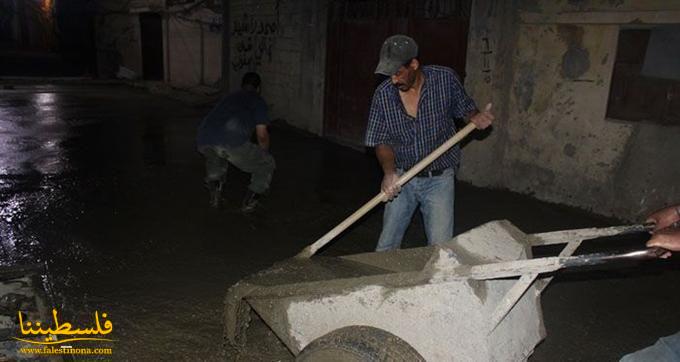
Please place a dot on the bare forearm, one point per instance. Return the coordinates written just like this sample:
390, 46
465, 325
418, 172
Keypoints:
385, 155
262, 137
263, 142
390, 183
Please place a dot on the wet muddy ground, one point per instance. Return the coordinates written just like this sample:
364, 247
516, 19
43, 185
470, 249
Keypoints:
102, 185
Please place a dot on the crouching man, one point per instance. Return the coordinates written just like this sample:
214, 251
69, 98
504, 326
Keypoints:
224, 137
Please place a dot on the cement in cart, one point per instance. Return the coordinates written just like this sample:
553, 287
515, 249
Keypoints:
102, 184
460, 293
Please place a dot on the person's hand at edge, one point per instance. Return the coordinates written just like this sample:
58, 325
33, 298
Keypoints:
665, 217
666, 232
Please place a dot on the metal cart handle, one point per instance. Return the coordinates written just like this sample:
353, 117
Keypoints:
600, 258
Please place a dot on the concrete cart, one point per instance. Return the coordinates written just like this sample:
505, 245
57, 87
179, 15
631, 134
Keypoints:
474, 298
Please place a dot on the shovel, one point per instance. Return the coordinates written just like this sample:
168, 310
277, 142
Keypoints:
408, 175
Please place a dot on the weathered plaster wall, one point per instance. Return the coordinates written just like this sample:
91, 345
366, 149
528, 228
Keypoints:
492, 37
285, 42
118, 42
191, 63
186, 62
552, 138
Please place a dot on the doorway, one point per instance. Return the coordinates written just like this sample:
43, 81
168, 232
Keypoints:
356, 30
151, 29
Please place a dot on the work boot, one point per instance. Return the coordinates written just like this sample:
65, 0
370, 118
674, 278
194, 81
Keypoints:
251, 201
215, 189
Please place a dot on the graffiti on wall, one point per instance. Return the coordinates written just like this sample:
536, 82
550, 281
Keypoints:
254, 38
486, 59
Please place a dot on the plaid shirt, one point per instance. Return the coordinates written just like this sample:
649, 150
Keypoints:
442, 99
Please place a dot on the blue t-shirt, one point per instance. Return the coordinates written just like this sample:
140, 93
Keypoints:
232, 121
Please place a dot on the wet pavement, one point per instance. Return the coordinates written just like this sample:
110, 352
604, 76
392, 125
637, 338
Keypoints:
102, 186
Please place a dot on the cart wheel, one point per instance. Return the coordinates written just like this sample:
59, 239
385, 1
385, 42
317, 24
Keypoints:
358, 343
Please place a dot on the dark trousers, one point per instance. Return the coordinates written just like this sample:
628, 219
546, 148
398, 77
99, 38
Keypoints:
247, 157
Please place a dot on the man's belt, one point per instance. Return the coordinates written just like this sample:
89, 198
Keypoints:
431, 173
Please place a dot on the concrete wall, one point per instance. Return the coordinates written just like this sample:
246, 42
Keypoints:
191, 64
186, 62
284, 41
549, 75
118, 42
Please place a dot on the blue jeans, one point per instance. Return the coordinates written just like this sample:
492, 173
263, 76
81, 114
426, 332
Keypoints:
435, 197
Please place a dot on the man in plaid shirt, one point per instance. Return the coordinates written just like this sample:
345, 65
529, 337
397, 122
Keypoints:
411, 115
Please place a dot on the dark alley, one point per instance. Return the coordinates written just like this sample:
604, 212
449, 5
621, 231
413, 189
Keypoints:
339, 180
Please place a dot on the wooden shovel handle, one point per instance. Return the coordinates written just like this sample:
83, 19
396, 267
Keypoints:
408, 175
